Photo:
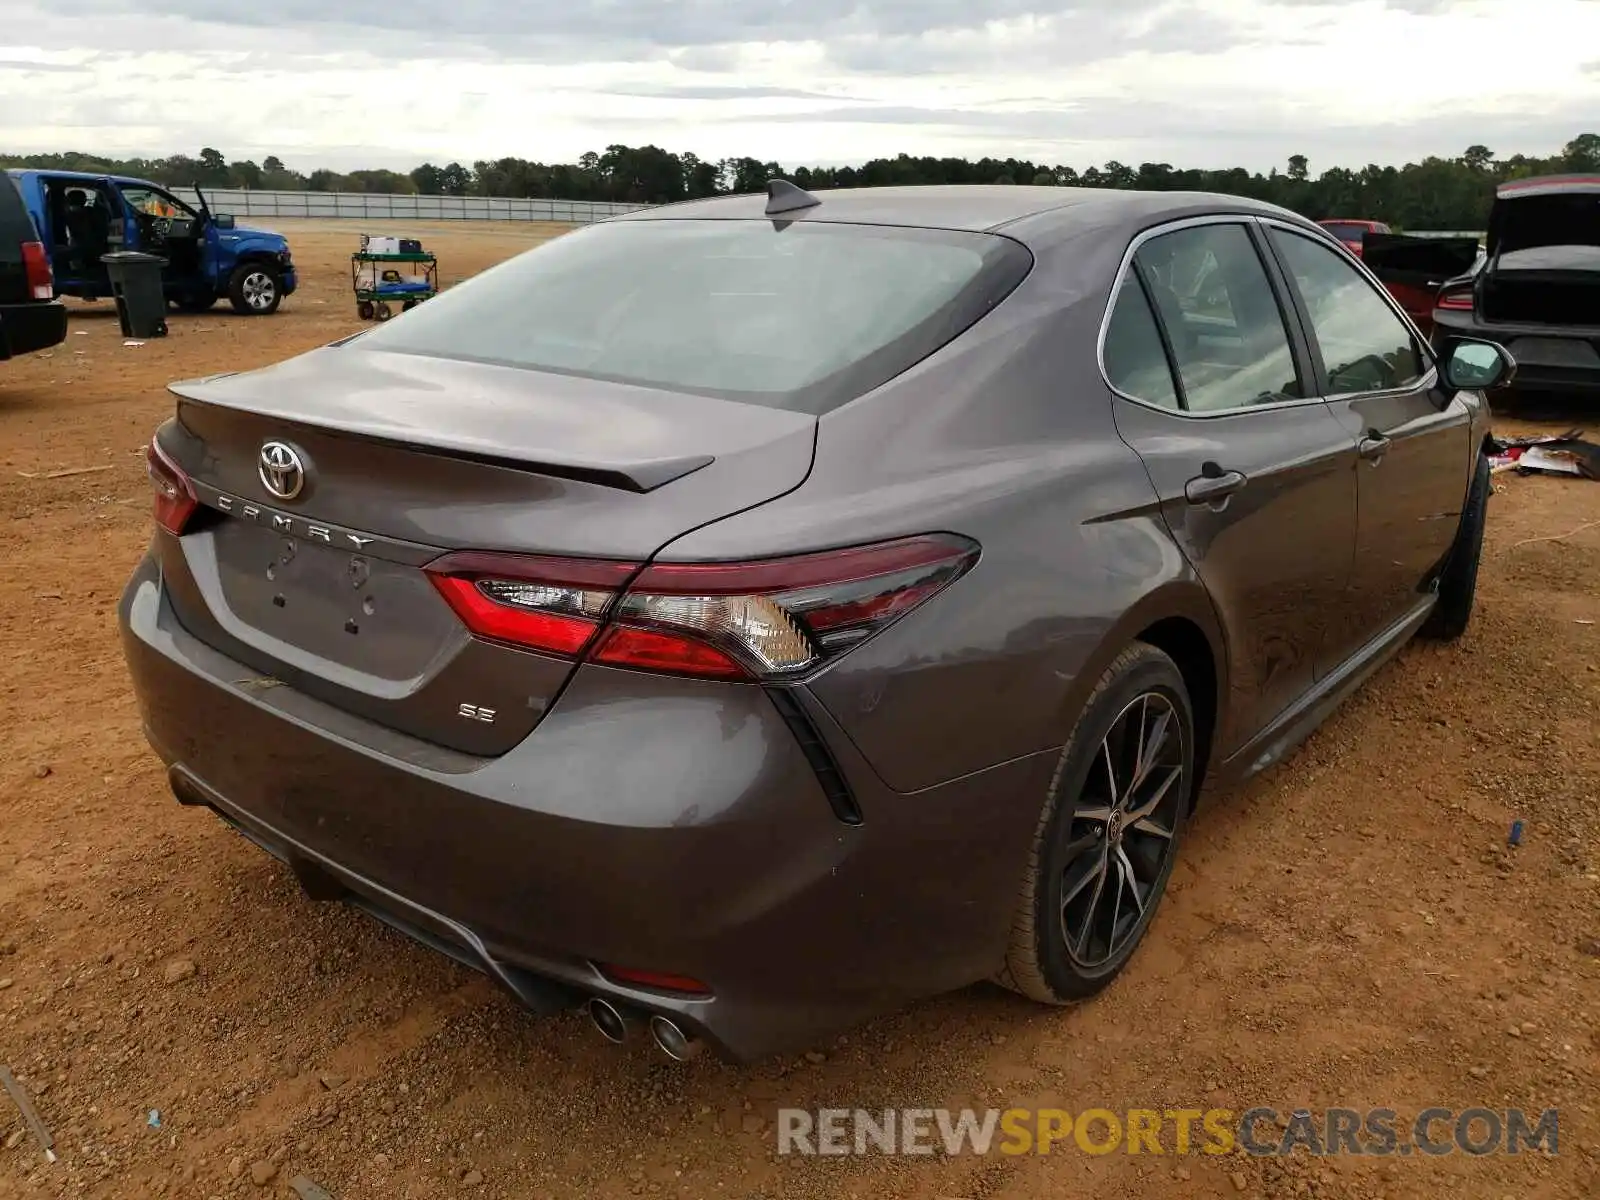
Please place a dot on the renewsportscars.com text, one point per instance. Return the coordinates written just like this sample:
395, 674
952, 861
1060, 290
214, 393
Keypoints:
1177, 1131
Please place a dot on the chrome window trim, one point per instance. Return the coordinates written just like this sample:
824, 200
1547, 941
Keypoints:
1429, 377
1242, 219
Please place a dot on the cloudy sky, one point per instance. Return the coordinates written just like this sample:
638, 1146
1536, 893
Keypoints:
346, 83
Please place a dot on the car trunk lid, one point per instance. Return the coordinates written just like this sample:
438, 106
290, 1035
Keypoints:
404, 459
1418, 262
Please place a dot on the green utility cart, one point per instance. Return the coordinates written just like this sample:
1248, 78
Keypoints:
382, 280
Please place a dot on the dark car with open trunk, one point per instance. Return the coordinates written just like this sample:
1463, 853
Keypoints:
1537, 289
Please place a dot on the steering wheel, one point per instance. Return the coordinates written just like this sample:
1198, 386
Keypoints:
1382, 371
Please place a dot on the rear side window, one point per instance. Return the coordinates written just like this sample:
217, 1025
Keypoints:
1229, 341
1136, 364
803, 316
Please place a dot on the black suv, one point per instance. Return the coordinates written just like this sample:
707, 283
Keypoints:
31, 318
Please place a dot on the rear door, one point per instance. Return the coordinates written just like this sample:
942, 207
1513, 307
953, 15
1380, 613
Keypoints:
1413, 436
1256, 479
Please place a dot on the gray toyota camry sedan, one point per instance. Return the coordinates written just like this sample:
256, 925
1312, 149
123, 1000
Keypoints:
747, 616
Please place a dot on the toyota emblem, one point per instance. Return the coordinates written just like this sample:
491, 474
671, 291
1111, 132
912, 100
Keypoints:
282, 471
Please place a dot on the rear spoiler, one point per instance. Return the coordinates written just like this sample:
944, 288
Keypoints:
634, 475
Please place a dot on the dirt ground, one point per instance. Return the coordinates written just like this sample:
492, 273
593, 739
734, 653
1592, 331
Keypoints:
1350, 929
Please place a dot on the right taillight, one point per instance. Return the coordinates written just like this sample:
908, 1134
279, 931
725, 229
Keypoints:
1455, 300
174, 496
763, 620
36, 271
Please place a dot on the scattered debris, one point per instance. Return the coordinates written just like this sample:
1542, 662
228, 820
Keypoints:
1558, 537
80, 332
179, 969
25, 1106
262, 1171
132, 342
64, 474
307, 1190
1514, 838
154, 1119
332, 1080
1549, 454
42, 771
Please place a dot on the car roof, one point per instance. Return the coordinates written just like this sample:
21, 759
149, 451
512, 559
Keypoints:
85, 176
1548, 185
1027, 213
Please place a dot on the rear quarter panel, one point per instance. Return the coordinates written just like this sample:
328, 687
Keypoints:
1005, 436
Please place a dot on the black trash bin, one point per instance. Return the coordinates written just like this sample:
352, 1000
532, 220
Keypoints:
136, 284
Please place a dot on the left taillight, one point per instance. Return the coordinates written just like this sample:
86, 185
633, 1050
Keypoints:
765, 620
1455, 300
174, 495
36, 270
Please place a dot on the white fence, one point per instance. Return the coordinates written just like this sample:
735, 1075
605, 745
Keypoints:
363, 206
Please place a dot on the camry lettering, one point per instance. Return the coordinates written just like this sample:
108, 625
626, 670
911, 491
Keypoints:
285, 523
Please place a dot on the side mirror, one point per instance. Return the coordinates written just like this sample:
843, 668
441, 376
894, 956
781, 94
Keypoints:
224, 220
1473, 366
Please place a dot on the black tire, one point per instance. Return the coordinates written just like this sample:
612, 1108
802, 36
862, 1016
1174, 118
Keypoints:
384, 311
408, 306
364, 310
255, 289
1039, 963
1458, 583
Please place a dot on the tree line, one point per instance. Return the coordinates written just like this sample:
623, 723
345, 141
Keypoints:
1436, 193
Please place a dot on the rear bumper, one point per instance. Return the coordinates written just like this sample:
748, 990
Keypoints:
36, 325
1549, 358
675, 826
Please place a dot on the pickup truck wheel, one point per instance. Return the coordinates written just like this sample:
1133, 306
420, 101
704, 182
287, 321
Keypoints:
255, 289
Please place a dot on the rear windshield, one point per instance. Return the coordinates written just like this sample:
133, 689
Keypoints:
803, 316
1347, 233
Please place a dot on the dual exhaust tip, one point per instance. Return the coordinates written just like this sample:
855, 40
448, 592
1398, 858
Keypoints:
614, 1023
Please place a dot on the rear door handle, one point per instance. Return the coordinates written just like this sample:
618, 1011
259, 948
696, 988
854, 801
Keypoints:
1374, 446
1208, 489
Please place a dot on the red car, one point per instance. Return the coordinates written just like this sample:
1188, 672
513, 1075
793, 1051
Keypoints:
1351, 233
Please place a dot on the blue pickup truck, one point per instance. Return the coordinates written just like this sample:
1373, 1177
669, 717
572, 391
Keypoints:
83, 216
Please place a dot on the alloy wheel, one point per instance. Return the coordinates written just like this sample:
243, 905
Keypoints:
259, 290
1121, 838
